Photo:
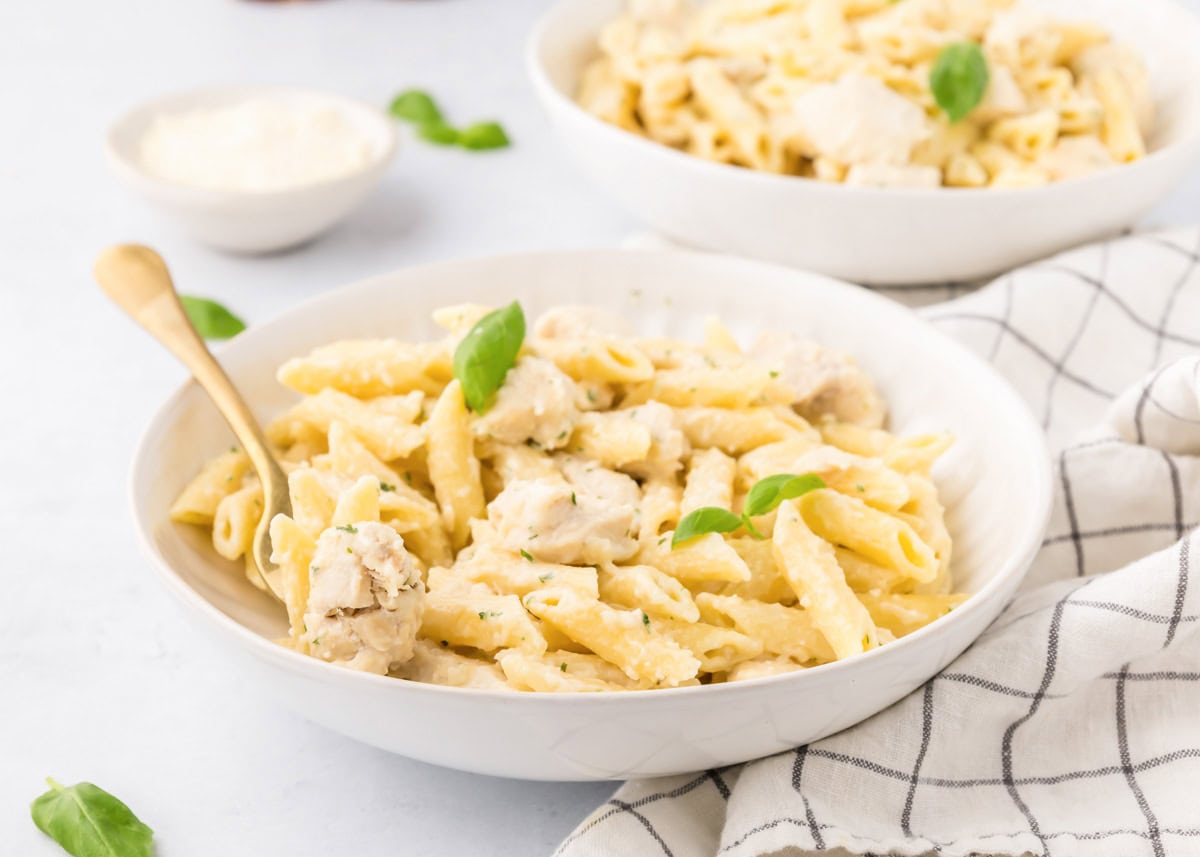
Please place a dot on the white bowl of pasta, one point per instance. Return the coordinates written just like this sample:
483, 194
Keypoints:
673, 657
818, 141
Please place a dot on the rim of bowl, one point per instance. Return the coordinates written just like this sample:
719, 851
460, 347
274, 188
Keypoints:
1038, 508
553, 97
227, 94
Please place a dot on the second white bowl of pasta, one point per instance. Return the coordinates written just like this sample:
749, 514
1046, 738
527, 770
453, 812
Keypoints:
884, 143
624, 540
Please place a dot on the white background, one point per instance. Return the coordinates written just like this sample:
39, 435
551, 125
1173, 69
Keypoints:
99, 679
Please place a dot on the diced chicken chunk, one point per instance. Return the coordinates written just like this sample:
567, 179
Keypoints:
365, 599
669, 445
536, 403
580, 322
860, 120
824, 382
552, 521
588, 477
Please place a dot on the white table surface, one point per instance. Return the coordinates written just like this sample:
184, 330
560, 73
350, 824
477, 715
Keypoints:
99, 678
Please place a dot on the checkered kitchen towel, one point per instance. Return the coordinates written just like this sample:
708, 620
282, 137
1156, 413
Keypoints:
1072, 727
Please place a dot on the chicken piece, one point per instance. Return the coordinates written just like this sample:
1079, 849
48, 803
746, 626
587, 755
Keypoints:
588, 477
552, 521
669, 445
859, 120
580, 322
824, 382
365, 599
536, 403
1076, 156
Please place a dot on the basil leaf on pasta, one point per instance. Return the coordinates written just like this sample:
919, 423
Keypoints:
211, 320
709, 519
959, 79
768, 493
486, 354
89, 822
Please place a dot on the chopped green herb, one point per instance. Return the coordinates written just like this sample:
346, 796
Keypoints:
386, 486
316, 641
773, 374
489, 614
348, 528
233, 449
408, 477
547, 576
312, 569
959, 79
645, 620
563, 667
708, 519
860, 487
87, 821
591, 395
574, 502
348, 550
561, 434
211, 320
527, 555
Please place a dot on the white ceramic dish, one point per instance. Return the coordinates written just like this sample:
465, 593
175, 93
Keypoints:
252, 222
995, 482
871, 235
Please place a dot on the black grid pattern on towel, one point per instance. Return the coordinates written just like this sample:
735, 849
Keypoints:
1095, 283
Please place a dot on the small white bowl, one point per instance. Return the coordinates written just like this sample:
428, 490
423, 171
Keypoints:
995, 483
870, 235
247, 222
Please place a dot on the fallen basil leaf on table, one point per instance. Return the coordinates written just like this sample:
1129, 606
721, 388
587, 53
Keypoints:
438, 132
416, 106
211, 320
484, 356
708, 519
959, 79
89, 822
768, 493
483, 135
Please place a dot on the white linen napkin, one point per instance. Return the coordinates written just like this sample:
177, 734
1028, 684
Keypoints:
1072, 726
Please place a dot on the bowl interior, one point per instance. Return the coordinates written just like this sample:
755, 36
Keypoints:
125, 135
1163, 32
995, 481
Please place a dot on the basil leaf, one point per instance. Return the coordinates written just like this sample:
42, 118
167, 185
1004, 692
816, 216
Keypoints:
483, 135
413, 105
89, 822
211, 320
768, 493
486, 354
439, 133
709, 519
959, 78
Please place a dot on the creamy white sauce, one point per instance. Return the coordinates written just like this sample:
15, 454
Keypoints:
255, 146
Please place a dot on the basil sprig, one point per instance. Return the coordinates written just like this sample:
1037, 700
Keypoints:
767, 494
211, 320
421, 110
763, 497
959, 79
486, 354
707, 519
89, 822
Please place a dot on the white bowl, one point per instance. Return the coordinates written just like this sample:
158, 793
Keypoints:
870, 235
245, 222
995, 482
